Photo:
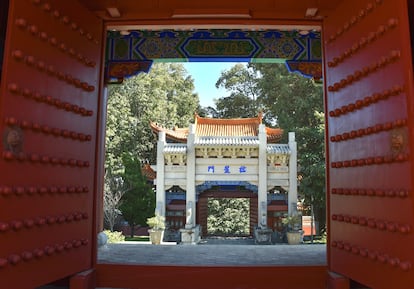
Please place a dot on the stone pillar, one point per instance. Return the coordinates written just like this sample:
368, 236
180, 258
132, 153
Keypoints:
190, 234
262, 186
160, 182
293, 175
190, 192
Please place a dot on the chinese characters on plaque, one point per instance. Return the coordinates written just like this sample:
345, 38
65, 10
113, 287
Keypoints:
226, 169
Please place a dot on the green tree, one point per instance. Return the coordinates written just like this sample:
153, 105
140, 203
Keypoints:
138, 202
227, 216
113, 192
118, 129
291, 102
290, 99
241, 81
295, 103
164, 95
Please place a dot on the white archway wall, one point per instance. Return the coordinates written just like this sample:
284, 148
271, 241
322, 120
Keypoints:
265, 166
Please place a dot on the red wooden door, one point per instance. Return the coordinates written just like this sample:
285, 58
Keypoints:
369, 99
202, 213
48, 121
254, 221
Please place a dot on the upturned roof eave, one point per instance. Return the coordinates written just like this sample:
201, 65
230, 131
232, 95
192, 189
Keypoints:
179, 135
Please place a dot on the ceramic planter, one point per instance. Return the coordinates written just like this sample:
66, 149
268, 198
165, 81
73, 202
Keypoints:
294, 237
156, 236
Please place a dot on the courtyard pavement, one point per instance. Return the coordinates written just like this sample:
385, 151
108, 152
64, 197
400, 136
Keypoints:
212, 252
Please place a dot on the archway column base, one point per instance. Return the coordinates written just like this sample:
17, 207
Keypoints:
337, 281
190, 236
262, 235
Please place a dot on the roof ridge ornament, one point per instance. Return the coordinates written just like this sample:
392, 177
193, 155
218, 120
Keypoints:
260, 116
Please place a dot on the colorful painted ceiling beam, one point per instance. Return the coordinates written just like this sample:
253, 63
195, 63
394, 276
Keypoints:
127, 55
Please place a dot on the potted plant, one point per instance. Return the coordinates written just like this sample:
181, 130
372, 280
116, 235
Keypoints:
294, 232
157, 227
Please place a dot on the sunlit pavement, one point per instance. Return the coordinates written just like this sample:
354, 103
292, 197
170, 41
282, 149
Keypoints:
212, 253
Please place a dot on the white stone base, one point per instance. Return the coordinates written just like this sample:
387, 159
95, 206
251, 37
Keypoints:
263, 236
190, 236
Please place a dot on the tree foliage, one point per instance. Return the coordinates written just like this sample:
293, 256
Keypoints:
290, 102
228, 216
242, 84
164, 95
290, 99
296, 103
113, 192
138, 202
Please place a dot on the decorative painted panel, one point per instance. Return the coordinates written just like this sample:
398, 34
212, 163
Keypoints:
207, 185
130, 54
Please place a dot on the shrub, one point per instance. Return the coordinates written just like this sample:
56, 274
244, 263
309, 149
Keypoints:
293, 222
228, 217
138, 238
156, 222
114, 237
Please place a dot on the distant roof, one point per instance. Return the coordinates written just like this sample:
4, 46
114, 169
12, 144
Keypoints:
220, 127
148, 172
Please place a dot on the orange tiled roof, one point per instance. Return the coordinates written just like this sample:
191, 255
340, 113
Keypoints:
273, 134
148, 172
219, 127
227, 127
177, 134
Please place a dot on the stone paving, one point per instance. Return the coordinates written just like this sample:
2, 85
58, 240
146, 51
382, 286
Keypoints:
213, 252
210, 252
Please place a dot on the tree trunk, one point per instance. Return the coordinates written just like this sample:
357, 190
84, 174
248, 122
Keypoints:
320, 216
132, 230
111, 226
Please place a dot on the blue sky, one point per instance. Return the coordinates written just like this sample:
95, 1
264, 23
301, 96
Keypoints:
205, 75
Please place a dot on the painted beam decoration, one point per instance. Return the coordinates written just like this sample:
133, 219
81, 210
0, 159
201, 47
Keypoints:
127, 55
